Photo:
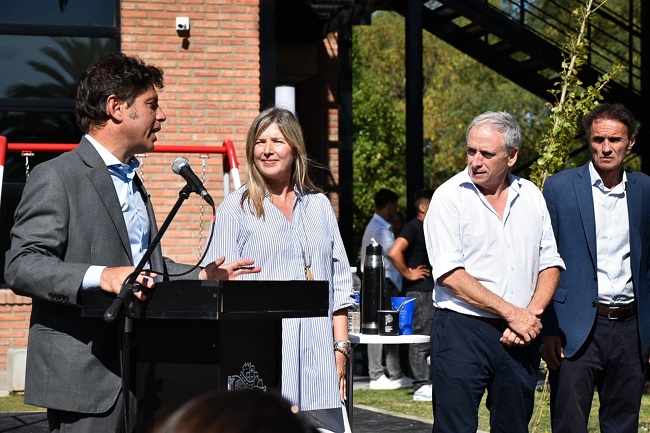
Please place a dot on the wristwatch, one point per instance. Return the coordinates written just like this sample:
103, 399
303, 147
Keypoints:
343, 344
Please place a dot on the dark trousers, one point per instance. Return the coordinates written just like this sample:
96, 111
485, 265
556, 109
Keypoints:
467, 359
418, 353
610, 362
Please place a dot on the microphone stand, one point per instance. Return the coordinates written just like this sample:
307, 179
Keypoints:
125, 297
130, 286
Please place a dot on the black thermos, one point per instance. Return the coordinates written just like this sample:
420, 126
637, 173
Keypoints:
372, 288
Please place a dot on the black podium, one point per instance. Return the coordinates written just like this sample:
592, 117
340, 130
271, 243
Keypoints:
193, 336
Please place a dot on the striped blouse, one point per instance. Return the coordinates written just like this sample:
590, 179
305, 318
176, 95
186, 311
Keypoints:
281, 248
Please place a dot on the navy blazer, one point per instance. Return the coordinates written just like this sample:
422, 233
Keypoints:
572, 313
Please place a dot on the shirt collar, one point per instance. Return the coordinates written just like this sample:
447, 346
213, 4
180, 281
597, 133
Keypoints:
597, 181
381, 221
465, 180
124, 171
111, 160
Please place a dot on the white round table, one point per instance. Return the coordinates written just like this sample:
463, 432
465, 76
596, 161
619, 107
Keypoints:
387, 339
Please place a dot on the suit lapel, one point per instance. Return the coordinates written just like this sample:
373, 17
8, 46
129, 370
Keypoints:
585, 199
634, 199
100, 178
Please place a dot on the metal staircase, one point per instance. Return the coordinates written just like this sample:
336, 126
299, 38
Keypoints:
523, 41
519, 40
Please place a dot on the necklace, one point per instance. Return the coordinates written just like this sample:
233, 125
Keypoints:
306, 256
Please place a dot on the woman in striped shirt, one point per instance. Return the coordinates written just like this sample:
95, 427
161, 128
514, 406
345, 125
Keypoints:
282, 220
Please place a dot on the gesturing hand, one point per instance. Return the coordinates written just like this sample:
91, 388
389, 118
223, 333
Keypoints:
218, 271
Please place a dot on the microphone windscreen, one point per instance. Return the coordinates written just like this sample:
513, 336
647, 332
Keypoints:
179, 163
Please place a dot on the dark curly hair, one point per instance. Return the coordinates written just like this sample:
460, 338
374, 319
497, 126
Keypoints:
116, 74
609, 111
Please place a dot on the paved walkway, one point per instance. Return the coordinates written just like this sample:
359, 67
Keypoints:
366, 420
370, 420
25, 422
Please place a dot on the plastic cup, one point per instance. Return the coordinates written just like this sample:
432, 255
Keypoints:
405, 314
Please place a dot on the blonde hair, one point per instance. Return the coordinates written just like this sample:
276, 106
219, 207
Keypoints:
256, 183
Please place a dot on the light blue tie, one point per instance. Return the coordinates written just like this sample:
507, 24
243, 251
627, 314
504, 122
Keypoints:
133, 208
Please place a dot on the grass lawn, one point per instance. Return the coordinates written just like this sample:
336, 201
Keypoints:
401, 401
14, 403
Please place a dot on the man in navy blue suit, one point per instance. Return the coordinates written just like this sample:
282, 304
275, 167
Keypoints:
597, 329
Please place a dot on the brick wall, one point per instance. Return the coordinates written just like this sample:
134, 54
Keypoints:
14, 323
212, 93
212, 88
329, 82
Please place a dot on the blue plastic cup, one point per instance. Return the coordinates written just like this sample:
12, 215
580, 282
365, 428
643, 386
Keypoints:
405, 314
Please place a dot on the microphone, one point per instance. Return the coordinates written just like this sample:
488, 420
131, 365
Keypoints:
181, 166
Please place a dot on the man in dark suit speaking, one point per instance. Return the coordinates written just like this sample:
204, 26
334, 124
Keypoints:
83, 222
597, 329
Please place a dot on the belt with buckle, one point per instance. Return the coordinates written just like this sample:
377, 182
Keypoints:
617, 312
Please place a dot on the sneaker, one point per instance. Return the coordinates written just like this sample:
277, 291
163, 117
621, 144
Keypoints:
384, 383
423, 393
404, 382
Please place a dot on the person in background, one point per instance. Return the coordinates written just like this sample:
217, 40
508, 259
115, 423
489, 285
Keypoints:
379, 228
409, 256
397, 223
241, 411
281, 218
83, 221
495, 265
597, 331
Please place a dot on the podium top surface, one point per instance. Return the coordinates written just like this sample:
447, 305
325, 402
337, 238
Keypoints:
219, 300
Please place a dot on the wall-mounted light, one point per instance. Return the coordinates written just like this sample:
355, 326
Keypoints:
183, 30
182, 24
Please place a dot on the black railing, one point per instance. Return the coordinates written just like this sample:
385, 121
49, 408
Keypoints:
614, 31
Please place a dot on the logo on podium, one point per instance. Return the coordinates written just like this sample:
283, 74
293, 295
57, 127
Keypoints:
248, 378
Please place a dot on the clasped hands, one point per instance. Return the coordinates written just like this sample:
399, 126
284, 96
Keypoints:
112, 277
523, 326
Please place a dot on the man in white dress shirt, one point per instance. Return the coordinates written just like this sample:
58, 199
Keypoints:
379, 228
496, 266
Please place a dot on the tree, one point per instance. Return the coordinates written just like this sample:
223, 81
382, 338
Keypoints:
572, 101
456, 89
